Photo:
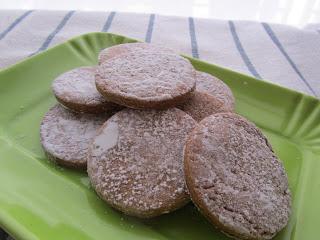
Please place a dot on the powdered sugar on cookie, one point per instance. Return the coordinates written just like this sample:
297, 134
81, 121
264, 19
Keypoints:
211, 85
141, 173
78, 85
76, 90
66, 136
202, 105
235, 178
114, 51
145, 77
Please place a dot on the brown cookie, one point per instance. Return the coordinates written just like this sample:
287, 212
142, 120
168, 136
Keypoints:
125, 48
202, 105
215, 87
145, 80
211, 96
235, 179
65, 135
136, 161
76, 90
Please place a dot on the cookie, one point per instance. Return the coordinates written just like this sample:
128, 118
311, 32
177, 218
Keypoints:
76, 90
66, 135
146, 80
211, 96
125, 48
215, 87
235, 179
202, 105
136, 161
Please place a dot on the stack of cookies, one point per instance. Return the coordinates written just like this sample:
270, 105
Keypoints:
154, 133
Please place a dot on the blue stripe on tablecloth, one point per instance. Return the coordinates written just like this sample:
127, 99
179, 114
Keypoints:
193, 38
241, 50
48, 40
276, 41
150, 28
108, 23
14, 24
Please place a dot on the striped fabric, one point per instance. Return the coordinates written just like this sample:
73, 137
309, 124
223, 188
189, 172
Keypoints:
281, 54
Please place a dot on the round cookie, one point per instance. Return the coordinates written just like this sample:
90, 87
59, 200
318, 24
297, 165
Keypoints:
146, 80
235, 179
136, 161
215, 87
65, 135
125, 48
76, 90
201, 105
211, 96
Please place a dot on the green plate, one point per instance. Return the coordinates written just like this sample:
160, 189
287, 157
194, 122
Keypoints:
39, 200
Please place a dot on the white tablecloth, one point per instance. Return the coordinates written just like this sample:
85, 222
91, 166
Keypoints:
281, 54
